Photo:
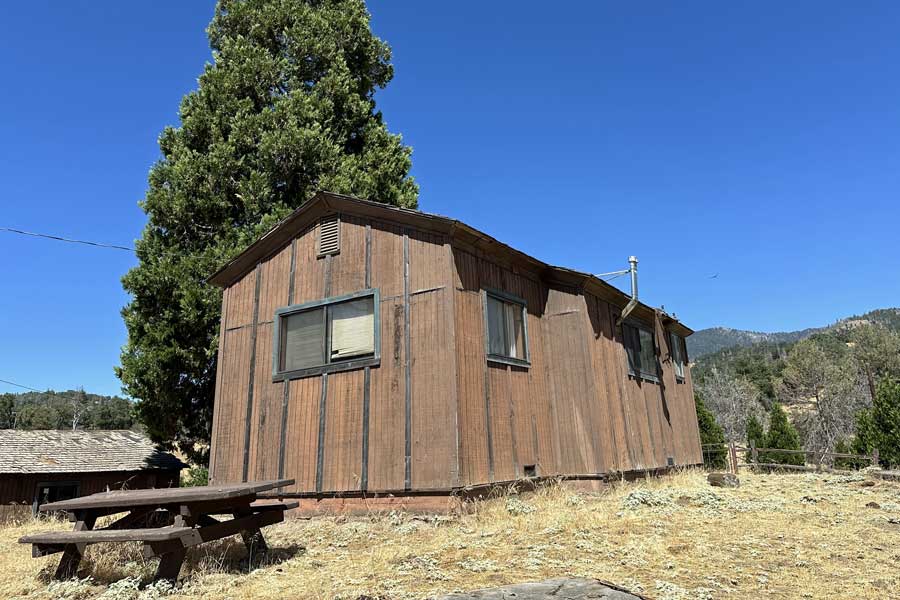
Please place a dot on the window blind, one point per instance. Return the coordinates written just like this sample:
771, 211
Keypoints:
351, 328
303, 340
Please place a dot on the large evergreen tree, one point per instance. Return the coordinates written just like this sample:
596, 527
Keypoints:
285, 109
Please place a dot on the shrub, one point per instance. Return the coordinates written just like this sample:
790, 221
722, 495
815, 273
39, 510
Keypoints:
197, 475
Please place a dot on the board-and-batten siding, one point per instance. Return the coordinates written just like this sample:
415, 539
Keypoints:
434, 414
505, 419
373, 254
574, 410
17, 491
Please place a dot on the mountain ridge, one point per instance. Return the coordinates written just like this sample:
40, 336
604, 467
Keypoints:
713, 339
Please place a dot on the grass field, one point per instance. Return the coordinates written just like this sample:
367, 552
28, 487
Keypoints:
777, 536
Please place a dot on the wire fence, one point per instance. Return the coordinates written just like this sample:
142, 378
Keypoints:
734, 457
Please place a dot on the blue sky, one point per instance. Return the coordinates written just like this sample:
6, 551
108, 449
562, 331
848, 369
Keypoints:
756, 141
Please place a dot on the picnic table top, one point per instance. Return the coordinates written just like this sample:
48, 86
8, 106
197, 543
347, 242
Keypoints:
166, 496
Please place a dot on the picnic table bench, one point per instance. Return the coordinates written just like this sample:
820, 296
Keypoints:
188, 519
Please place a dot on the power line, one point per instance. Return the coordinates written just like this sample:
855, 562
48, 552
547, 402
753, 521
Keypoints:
71, 241
19, 385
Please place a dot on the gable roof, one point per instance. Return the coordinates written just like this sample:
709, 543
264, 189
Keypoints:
80, 451
325, 203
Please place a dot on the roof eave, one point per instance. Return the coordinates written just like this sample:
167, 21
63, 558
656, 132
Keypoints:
324, 202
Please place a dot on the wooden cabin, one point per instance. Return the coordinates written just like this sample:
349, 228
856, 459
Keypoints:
368, 350
43, 466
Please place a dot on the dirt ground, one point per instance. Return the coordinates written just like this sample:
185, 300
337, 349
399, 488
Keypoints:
777, 536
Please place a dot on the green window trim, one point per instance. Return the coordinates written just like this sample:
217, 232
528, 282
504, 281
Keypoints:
329, 364
507, 299
634, 334
678, 349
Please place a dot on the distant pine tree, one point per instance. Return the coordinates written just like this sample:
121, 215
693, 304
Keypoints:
784, 436
755, 434
878, 428
711, 437
844, 446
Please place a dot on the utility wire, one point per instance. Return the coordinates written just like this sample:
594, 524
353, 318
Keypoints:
71, 241
19, 385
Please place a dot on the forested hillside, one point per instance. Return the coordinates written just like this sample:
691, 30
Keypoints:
828, 382
73, 409
715, 339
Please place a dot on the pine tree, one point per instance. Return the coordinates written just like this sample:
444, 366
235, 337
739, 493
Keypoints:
285, 109
755, 434
712, 437
878, 428
784, 436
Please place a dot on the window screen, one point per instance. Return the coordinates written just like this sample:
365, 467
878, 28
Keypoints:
506, 327
641, 351
327, 332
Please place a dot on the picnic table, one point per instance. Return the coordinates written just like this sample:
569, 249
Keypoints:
167, 521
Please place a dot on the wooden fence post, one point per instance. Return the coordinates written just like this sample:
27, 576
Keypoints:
754, 453
734, 462
875, 457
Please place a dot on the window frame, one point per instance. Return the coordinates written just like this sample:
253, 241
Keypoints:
677, 341
507, 298
338, 366
36, 504
641, 374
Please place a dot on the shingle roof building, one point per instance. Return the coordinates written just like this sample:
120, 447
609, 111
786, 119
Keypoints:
63, 451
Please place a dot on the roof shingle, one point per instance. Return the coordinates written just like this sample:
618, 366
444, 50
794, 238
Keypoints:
80, 451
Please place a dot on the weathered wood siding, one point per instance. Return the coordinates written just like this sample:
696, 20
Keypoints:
20, 489
574, 411
435, 414
321, 430
505, 420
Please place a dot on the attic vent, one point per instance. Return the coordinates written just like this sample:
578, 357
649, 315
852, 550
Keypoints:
329, 235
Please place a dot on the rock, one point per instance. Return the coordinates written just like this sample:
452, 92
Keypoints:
867, 483
723, 480
873, 505
576, 588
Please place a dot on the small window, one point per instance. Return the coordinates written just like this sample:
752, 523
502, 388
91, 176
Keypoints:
329, 235
678, 355
329, 335
507, 336
641, 350
54, 492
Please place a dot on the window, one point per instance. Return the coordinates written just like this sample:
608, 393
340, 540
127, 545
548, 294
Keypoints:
335, 334
678, 355
54, 491
641, 350
507, 332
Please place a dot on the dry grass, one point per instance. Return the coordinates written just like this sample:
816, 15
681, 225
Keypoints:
778, 536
